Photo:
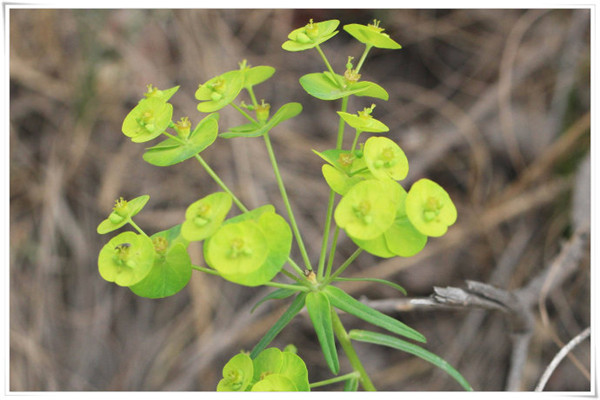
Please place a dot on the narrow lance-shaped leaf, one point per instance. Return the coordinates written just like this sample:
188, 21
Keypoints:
395, 343
340, 299
285, 319
376, 280
319, 312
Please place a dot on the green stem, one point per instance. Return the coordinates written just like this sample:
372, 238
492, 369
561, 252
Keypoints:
286, 286
286, 201
237, 201
324, 245
358, 132
340, 378
175, 138
363, 57
252, 96
342, 267
222, 184
328, 65
290, 275
332, 251
344, 340
244, 113
207, 270
340, 140
137, 228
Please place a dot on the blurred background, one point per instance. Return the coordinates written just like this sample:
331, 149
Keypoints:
492, 104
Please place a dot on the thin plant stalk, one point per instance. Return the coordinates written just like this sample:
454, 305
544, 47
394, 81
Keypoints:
346, 344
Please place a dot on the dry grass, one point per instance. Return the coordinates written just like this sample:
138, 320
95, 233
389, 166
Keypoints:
494, 104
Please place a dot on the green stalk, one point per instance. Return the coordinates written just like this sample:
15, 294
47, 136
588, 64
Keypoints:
328, 65
286, 201
332, 252
207, 270
137, 228
344, 340
244, 113
237, 201
252, 96
358, 132
340, 378
286, 286
340, 140
363, 57
342, 267
222, 184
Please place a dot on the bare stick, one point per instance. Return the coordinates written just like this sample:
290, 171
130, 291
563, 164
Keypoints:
559, 357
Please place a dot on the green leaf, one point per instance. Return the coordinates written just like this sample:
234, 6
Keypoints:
368, 89
293, 367
403, 239
203, 217
284, 113
395, 343
285, 319
429, 208
126, 259
340, 299
171, 151
237, 374
255, 75
269, 361
275, 383
311, 35
371, 35
122, 213
376, 280
278, 294
319, 312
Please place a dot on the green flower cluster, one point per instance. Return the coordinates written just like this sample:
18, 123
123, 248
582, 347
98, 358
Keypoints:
272, 370
375, 211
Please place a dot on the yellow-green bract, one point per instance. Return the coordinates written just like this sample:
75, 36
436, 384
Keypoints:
311, 35
363, 122
368, 209
371, 35
219, 91
126, 259
272, 370
148, 119
429, 208
204, 217
251, 250
385, 159
122, 213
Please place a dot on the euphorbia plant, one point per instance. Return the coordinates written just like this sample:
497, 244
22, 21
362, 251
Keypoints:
366, 201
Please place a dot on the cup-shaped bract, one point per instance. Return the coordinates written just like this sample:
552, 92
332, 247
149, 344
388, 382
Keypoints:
385, 159
126, 259
237, 374
254, 75
371, 35
203, 217
219, 91
429, 208
122, 212
147, 120
311, 35
368, 208
236, 250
